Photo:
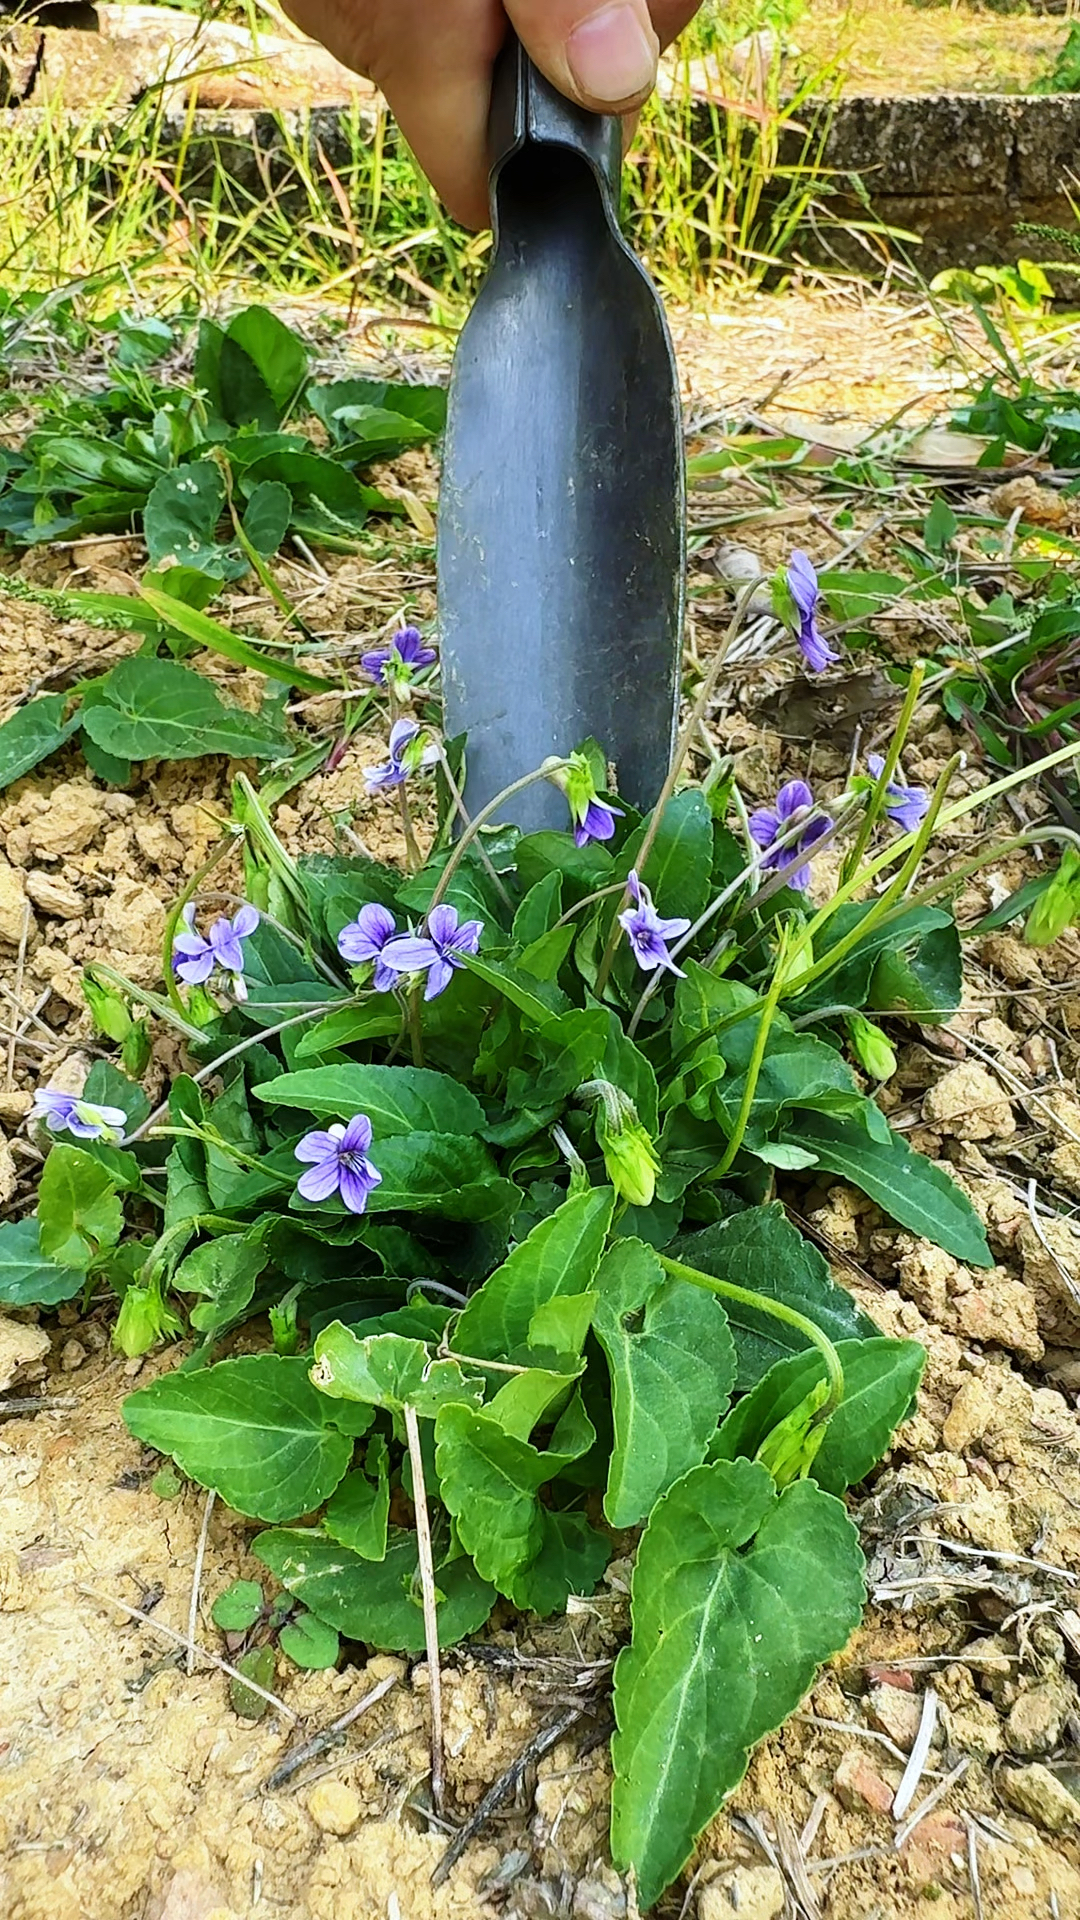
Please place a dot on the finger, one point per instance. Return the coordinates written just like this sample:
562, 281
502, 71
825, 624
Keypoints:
433, 64
602, 55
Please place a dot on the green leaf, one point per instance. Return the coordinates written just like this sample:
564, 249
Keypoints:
373, 1021
738, 1597
672, 1364
78, 1209
571, 1558
258, 1665
258, 338
532, 1396
489, 1480
536, 999
358, 1512
267, 516
376, 1602
927, 982
539, 910
760, 1249
238, 1608
389, 1370
311, 1643
180, 521
881, 1379
27, 1278
395, 1099
679, 866
199, 627
225, 1270
107, 1086
155, 709
560, 1256
32, 733
563, 1323
254, 1429
910, 1188
440, 1173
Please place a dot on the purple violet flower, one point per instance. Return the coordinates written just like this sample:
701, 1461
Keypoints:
363, 940
407, 753
794, 802
647, 933
908, 806
339, 1163
196, 957
67, 1113
802, 584
595, 822
439, 954
405, 656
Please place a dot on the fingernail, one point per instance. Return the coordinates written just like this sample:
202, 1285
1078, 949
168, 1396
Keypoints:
611, 56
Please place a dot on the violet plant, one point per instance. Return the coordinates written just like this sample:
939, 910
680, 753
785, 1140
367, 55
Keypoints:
500, 1148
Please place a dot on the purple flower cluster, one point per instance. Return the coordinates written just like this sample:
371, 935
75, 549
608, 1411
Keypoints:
196, 957
647, 933
906, 806
67, 1113
398, 664
794, 803
339, 1163
373, 939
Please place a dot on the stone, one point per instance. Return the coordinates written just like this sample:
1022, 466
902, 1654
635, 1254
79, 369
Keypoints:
13, 904
20, 1348
859, 1785
72, 1355
976, 1729
1051, 1267
54, 897
971, 1413
1039, 1794
9, 1175
896, 1713
1037, 1717
71, 820
15, 1104
754, 1893
334, 1807
969, 1104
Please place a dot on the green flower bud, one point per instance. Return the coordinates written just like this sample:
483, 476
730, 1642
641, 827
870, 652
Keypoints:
872, 1048
135, 1049
107, 1009
631, 1161
783, 606
790, 1450
144, 1319
1058, 906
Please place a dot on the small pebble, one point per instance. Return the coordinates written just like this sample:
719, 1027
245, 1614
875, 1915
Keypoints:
334, 1807
72, 1355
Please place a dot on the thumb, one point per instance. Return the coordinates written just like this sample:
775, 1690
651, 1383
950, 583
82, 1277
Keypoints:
602, 55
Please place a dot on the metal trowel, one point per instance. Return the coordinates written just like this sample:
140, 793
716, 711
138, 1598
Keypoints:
561, 537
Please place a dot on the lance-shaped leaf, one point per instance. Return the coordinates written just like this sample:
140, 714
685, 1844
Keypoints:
389, 1370
738, 1597
672, 1363
560, 1256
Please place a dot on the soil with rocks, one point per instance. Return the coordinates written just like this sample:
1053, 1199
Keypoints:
131, 1789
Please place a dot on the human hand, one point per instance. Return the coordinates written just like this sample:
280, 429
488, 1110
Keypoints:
433, 60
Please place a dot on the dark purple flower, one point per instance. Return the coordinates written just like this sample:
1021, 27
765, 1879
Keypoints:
339, 1163
196, 957
67, 1113
908, 806
802, 584
794, 803
646, 932
596, 822
363, 940
440, 953
404, 657
407, 753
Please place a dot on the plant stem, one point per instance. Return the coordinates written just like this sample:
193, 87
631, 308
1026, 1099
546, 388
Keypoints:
753, 1071
413, 857
892, 761
152, 1001
427, 1588
253, 1039
778, 1311
481, 819
466, 820
416, 1036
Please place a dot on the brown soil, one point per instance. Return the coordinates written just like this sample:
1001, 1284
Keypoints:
132, 1791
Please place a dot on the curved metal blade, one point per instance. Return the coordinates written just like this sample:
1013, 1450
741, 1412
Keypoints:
561, 514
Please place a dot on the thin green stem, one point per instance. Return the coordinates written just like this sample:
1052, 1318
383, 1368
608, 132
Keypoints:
143, 997
465, 817
892, 761
753, 1071
778, 1311
253, 1040
481, 819
416, 1035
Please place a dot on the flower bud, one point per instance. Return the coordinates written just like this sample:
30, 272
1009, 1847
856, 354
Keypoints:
107, 1009
1058, 906
144, 1319
783, 605
872, 1048
631, 1161
790, 1450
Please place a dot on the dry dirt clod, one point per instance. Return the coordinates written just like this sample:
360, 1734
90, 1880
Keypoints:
20, 1347
968, 1103
9, 1173
859, 1785
894, 1713
70, 821
12, 905
754, 1893
53, 896
1039, 1794
969, 1417
1037, 1718
72, 1355
334, 1807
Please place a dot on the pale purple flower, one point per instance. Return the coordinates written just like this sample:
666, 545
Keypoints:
794, 803
908, 806
439, 953
339, 1163
405, 656
647, 933
197, 956
363, 940
67, 1113
595, 822
802, 584
406, 755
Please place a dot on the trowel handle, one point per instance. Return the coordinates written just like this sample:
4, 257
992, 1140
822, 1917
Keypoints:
526, 110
